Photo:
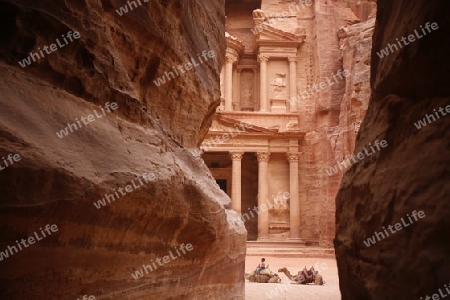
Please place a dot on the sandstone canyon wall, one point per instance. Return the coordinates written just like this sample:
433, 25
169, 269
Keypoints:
410, 174
330, 117
153, 130
355, 54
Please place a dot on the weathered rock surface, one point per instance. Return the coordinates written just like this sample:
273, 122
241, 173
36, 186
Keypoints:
363, 9
411, 174
57, 180
325, 116
356, 45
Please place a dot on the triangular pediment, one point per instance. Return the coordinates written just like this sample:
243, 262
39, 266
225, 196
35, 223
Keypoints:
226, 124
269, 33
264, 31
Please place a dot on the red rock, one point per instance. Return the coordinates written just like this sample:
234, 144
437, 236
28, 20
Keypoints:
410, 174
57, 179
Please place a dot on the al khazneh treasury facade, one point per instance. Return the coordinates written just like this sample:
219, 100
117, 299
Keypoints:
270, 140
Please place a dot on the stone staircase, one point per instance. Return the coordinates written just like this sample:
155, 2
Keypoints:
287, 249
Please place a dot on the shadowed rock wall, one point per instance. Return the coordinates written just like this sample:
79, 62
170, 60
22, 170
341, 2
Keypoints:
411, 174
153, 130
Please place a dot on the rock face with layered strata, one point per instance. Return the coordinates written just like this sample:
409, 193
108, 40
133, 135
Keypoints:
411, 174
153, 130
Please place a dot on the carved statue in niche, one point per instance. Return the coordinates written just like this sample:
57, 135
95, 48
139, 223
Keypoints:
247, 94
279, 85
247, 101
280, 201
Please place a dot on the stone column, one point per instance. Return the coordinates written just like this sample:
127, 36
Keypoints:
292, 82
229, 60
255, 89
236, 158
222, 82
238, 88
263, 193
263, 82
294, 199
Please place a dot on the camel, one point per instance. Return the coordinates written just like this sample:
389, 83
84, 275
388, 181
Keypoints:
266, 276
305, 276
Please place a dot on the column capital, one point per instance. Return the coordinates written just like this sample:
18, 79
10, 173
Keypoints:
293, 156
292, 59
236, 155
263, 156
263, 58
230, 58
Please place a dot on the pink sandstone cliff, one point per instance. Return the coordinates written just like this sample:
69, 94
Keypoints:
154, 130
331, 117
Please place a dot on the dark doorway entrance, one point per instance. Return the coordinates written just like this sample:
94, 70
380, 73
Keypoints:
223, 184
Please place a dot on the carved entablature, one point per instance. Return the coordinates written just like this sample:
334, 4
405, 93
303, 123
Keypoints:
292, 125
287, 52
248, 62
279, 143
234, 43
278, 49
237, 143
258, 142
235, 48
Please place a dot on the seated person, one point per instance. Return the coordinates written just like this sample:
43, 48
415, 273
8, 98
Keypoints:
261, 266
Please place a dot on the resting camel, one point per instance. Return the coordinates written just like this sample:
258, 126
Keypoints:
266, 276
305, 276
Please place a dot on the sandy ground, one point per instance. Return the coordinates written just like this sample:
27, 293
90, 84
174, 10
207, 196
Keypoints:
326, 267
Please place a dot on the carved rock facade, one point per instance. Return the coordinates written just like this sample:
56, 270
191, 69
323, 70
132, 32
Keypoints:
303, 95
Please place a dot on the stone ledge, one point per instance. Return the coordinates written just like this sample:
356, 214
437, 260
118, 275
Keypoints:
287, 249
